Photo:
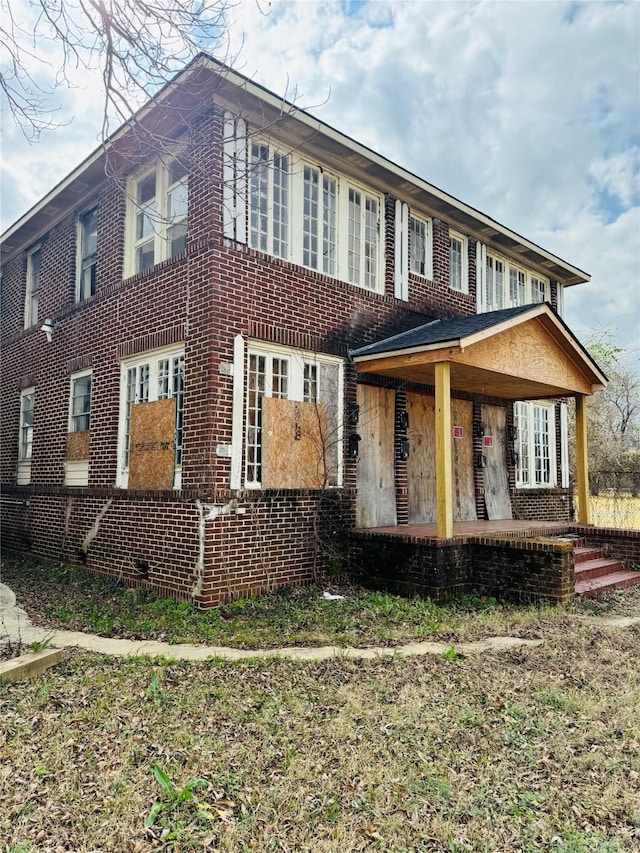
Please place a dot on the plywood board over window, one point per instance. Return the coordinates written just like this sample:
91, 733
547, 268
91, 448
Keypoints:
294, 444
376, 495
421, 465
496, 481
152, 445
77, 445
464, 496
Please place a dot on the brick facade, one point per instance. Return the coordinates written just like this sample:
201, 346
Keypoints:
203, 541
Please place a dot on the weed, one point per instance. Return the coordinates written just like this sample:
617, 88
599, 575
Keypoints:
41, 645
451, 655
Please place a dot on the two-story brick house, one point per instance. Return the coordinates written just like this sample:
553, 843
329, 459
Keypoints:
234, 334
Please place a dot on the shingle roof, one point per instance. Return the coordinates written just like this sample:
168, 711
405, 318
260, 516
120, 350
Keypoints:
442, 331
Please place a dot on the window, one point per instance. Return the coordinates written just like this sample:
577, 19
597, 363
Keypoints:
523, 286
25, 437
80, 403
146, 379
458, 277
76, 465
419, 247
536, 466
87, 254
293, 375
33, 288
495, 283
319, 221
299, 212
158, 206
269, 200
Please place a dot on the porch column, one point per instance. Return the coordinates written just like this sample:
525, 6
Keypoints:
582, 465
444, 464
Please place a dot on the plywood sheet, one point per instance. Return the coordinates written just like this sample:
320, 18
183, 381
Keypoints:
77, 445
375, 479
464, 497
152, 445
421, 465
496, 482
294, 444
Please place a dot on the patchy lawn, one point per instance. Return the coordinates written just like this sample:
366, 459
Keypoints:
71, 598
536, 749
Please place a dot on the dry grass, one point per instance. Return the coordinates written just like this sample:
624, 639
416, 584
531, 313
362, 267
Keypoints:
531, 750
615, 510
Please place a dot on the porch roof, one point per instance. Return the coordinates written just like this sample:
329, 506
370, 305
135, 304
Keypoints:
519, 353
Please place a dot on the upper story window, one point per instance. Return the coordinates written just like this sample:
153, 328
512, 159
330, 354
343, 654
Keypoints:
319, 220
33, 287
508, 285
158, 205
458, 262
87, 254
299, 212
420, 252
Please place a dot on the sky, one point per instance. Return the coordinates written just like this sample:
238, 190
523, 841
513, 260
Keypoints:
527, 111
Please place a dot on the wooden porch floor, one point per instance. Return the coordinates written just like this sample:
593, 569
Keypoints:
463, 530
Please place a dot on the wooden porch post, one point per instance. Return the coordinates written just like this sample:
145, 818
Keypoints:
582, 465
444, 465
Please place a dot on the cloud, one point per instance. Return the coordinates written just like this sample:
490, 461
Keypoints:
528, 111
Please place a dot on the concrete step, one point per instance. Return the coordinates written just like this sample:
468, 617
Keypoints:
595, 587
596, 568
583, 553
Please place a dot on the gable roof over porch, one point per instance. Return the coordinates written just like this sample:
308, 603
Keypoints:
519, 353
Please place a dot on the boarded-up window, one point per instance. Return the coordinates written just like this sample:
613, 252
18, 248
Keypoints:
294, 440
313, 384
152, 445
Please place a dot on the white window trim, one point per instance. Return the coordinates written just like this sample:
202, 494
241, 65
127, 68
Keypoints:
28, 292
122, 473
162, 220
509, 265
23, 477
296, 359
553, 465
72, 379
295, 215
464, 241
428, 248
80, 231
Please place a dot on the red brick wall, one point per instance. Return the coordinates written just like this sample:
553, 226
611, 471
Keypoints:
204, 298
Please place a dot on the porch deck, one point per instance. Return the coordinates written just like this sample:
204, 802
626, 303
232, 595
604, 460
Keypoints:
464, 530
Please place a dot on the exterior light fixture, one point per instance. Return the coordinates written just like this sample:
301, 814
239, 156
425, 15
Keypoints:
47, 328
